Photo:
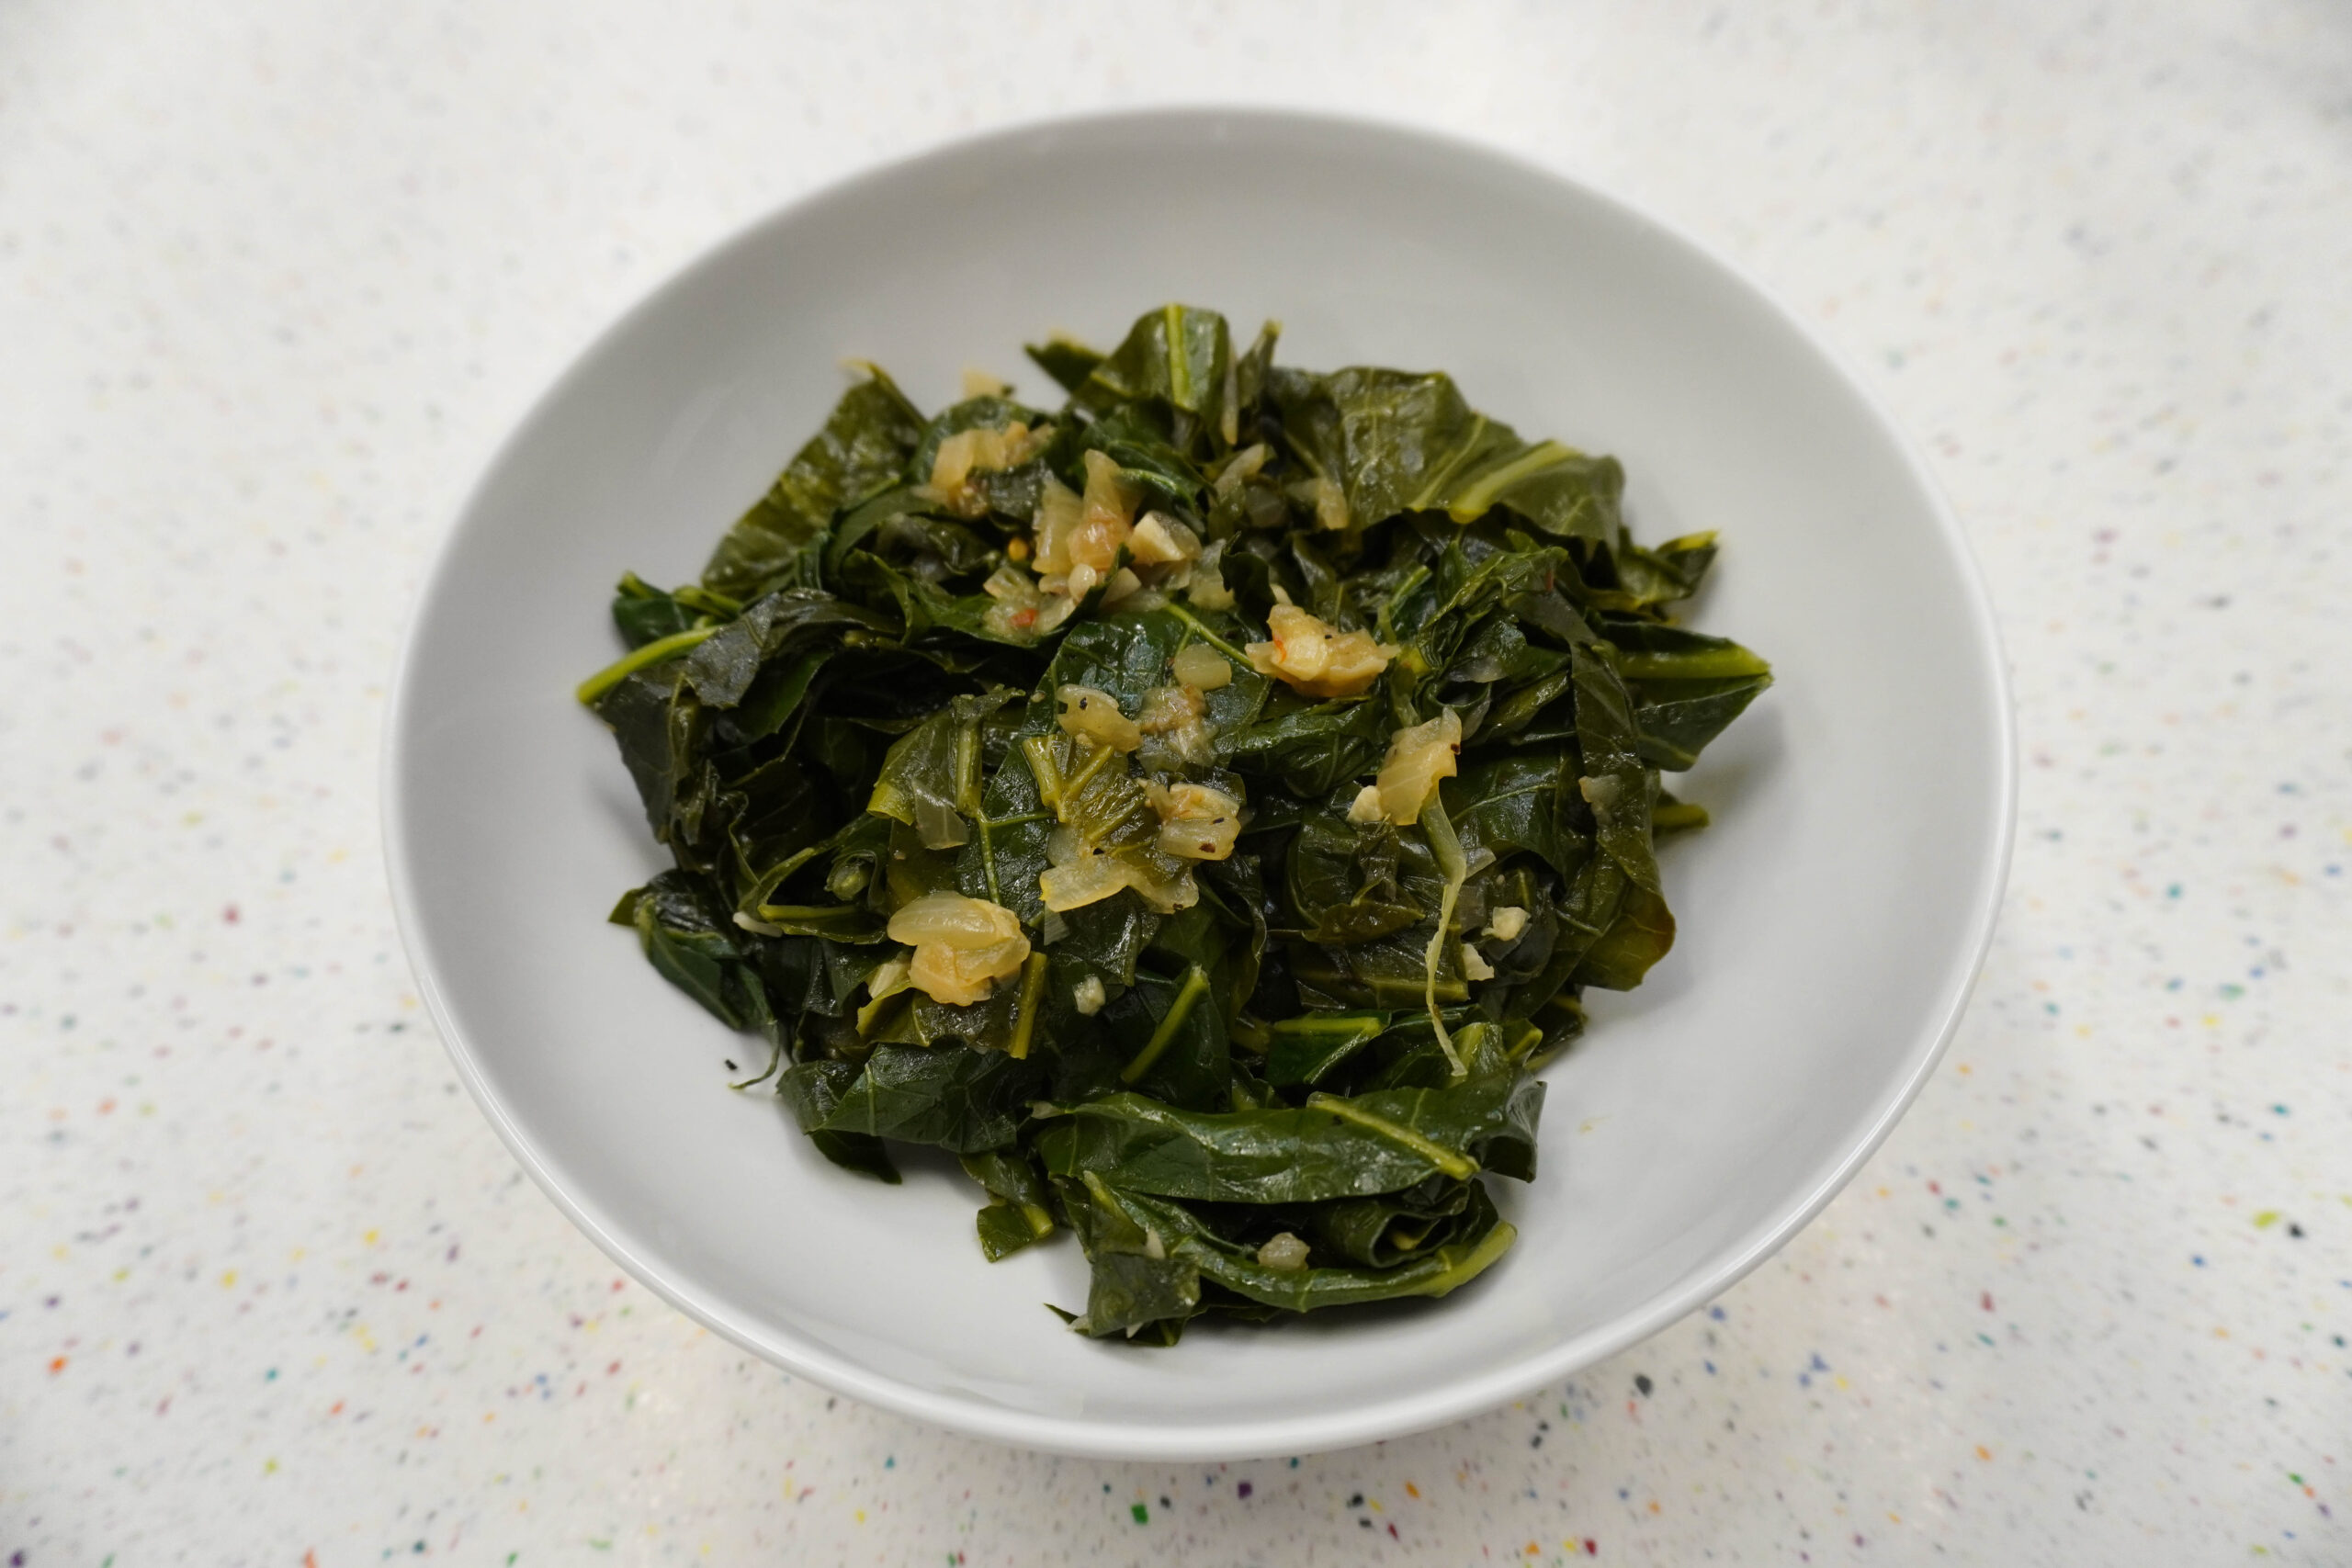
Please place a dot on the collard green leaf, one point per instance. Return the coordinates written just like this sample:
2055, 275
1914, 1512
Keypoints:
1178, 358
1270, 1081
678, 923
1399, 441
952, 1096
644, 615
1067, 361
1687, 687
1020, 1212
1514, 802
724, 667
1195, 1250
1350, 884
864, 446
931, 780
1351, 1149
811, 1090
1380, 1233
1616, 785
1250, 370
1307, 1049
1128, 1291
1172, 1030
660, 728
1309, 749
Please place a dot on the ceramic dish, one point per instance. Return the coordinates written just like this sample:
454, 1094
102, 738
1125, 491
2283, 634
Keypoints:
1831, 920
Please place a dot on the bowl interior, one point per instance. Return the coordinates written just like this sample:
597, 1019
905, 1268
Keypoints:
1831, 918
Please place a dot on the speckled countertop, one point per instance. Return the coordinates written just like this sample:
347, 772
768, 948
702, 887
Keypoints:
273, 279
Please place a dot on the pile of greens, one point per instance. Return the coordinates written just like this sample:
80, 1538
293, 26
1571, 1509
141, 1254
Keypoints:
1199, 808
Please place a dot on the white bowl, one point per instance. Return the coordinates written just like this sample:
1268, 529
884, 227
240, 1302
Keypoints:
1831, 920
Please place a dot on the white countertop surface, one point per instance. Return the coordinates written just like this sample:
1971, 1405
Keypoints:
275, 278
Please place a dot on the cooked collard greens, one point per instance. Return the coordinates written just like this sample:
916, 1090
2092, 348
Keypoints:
1198, 807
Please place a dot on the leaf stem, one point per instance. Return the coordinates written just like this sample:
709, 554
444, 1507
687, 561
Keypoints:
1698, 664
1209, 637
1492, 1246
1677, 817
1024, 1018
1367, 1025
1188, 995
1439, 829
1179, 369
628, 665
708, 603
1462, 1167
775, 1060
1467, 506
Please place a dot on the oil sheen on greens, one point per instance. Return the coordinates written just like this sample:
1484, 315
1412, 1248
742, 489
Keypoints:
1245, 982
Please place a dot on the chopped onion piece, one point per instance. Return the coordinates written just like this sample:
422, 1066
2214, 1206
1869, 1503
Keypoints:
1240, 466
1103, 525
1201, 667
1196, 821
1161, 540
1094, 715
1060, 511
1419, 757
1310, 655
961, 945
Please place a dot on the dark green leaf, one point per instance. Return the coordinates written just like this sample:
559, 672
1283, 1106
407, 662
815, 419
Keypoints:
1399, 441
865, 445
811, 1090
951, 1096
1262, 1084
1069, 363
1301, 1155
